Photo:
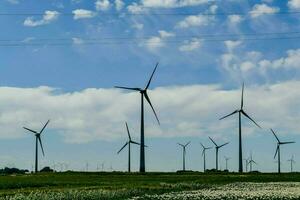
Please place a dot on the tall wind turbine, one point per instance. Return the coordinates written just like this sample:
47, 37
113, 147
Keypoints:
241, 112
292, 161
203, 154
278, 149
129, 142
37, 140
144, 94
251, 162
226, 161
217, 150
183, 154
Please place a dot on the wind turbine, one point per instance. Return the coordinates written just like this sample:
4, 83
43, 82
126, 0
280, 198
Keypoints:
292, 161
217, 150
38, 140
183, 154
246, 163
203, 154
278, 148
226, 161
144, 94
129, 142
241, 112
251, 161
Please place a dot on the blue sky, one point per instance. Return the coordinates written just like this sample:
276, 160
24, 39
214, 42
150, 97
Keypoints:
205, 50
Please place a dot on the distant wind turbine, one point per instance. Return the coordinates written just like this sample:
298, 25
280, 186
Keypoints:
241, 112
144, 94
129, 142
37, 140
183, 154
246, 164
217, 147
204, 154
278, 149
292, 161
226, 161
251, 162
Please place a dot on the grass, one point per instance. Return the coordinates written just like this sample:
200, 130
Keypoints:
123, 185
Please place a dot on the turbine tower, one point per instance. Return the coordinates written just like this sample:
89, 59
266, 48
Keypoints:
246, 164
217, 150
226, 161
144, 94
292, 161
241, 112
129, 142
37, 140
183, 154
278, 149
203, 155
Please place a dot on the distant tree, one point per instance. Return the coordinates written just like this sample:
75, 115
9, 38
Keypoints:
46, 169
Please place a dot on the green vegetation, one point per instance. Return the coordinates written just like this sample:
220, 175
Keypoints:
72, 185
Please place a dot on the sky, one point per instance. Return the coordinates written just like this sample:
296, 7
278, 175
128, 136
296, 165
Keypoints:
60, 60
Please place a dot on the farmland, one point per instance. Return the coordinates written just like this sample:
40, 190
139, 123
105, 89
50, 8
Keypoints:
72, 185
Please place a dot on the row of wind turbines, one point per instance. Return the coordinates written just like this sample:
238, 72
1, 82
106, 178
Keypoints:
144, 95
240, 111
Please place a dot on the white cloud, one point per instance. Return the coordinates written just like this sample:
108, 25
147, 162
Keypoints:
195, 21
135, 8
192, 45
99, 114
156, 42
102, 5
48, 17
291, 61
172, 3
261, 9
235, 19
77, 40
13, 1
231, 45
165, 34
82, 14
138, 26
294, 4
119, 4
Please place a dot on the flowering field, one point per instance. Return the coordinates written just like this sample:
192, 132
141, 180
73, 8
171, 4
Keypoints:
235, 191
135, 186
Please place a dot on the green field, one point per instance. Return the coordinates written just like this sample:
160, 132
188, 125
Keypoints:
138, 186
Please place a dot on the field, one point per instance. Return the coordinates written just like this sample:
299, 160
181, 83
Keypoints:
92, 186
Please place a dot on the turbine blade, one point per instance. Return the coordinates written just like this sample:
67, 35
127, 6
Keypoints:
250, 118
213, 141
122, 147
180, 144
275, 135
287, 142
187, 143
44, 126
133, 142
276, 151
242, 99
148, 99
128, 131
128, 88
208, 147
224, 144
39, 137
203, 152
151, 77
229, 115
202, 145
30, 130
